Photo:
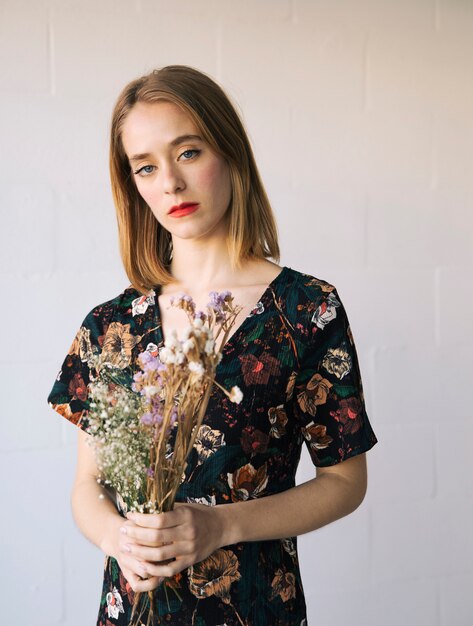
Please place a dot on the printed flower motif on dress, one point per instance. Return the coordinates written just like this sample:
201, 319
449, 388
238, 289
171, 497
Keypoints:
314, 394
152, 348
337, 361
254, 441
284, 584
316, 435
82, 344
259, 308
77, 388
114, 604
208, 500
248, 482
288, 545
207, 442
325, 312
349, 415
214, 575
118, 345
258, 371
278, 419
323, 285
125, 588
290, 385
139, 305
65, 411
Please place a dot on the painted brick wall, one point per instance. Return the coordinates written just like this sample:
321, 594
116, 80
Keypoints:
360, 114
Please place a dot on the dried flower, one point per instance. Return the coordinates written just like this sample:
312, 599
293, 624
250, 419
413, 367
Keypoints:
143, 435
236, 395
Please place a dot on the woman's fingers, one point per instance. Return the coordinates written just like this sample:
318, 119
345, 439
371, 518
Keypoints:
156, 520
169, 542
138, 575
169, 569
159, 554
133, 564
151, 536
139, 584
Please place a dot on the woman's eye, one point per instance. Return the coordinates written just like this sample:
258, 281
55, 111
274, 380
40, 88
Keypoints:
142, 172
186, 151
146, 170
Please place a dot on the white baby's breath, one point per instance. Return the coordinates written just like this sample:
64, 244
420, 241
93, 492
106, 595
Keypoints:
197, 368
172, 340
166, 355
150, 390
209, 346
180, 358
236, 395
198, 323
187, 346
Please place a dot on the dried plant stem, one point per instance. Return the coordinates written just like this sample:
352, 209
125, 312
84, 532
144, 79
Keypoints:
174, 398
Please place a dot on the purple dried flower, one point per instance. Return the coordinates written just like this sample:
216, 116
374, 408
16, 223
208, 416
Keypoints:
147, 418
152, 365
184, 301
145, 357
217, 303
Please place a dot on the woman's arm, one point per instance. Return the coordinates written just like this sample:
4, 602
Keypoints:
93, 515
335, 492
193, 531
98, 518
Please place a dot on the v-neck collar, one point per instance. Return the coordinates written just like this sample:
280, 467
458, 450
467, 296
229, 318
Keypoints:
264, 298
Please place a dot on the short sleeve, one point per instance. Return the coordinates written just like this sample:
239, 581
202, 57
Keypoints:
69, 393
328, 401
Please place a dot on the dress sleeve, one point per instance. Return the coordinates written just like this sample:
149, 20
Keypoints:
328, 401
69, 394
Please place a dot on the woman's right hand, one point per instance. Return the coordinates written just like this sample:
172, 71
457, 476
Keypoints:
131, 567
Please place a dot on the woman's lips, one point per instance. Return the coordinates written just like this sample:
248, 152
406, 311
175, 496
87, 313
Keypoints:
185, 211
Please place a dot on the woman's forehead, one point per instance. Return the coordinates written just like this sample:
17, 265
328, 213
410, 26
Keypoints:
162, 124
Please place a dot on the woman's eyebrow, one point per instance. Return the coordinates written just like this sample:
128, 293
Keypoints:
174, 142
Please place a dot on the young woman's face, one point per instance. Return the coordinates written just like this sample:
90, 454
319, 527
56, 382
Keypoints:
169, 169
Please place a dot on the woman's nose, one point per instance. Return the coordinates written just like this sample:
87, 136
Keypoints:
172, 179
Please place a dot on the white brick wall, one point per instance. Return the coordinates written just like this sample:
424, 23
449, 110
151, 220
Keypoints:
360, 114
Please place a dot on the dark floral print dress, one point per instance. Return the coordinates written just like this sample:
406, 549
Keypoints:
295, 361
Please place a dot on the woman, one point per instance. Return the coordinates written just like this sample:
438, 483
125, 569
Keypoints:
230, 544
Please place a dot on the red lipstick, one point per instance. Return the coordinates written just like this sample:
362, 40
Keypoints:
185, 208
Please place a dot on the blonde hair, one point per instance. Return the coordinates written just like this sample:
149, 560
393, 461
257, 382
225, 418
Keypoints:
145, 246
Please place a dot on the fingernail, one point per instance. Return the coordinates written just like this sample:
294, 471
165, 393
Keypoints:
127, 548
123, 530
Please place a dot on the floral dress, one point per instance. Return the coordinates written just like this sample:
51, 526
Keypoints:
295, 361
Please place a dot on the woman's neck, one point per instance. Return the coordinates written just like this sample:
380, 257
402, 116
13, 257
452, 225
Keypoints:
200, 264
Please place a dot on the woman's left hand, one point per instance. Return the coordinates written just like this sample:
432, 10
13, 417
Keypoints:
180, 538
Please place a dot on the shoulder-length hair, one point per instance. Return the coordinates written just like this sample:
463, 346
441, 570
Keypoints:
145, 246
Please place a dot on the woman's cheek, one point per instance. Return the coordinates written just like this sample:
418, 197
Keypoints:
149, 196
212, 174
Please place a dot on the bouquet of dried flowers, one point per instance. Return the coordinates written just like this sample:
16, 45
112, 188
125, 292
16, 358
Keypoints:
143, 436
